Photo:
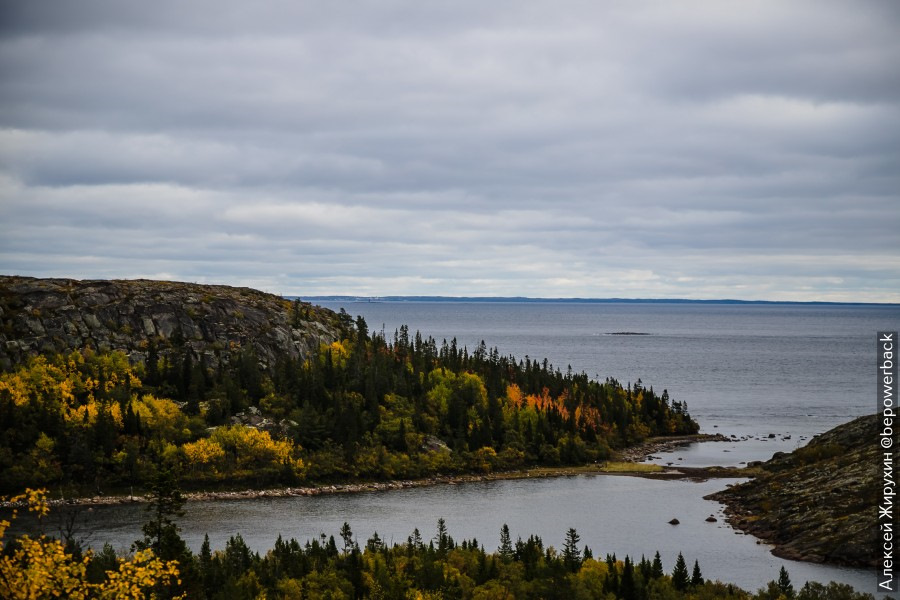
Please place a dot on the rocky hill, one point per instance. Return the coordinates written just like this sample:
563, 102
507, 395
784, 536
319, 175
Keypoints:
57, 315
817, 503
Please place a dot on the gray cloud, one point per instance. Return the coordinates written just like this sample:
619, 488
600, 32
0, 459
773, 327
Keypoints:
702, 149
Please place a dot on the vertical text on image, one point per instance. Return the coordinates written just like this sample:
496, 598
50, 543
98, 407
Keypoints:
886, 377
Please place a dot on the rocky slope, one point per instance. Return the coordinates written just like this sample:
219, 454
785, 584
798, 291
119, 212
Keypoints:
57, 315
818, 502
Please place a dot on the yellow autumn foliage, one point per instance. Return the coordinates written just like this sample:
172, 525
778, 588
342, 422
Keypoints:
66, 383
87, 413
161, 416
339, 352
246, 447
203, 452
41, 568
137, 576
40, 380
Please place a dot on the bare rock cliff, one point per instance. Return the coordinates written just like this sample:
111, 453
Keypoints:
58, 315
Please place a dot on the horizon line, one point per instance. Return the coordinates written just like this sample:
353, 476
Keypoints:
586, 300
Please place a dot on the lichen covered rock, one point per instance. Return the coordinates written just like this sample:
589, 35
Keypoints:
817, 503
59, 315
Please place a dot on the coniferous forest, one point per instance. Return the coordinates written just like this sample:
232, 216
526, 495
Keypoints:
365, 407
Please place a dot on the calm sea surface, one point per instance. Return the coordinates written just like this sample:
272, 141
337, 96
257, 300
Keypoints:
744, 370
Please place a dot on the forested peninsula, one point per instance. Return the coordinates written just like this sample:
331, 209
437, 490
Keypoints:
106, 382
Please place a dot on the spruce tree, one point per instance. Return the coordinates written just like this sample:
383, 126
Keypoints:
784, 583
416, 539
571, 553
611, 584
505, 550
627, 587
644, 568
152, 366
657, 570
161, 531
680, 576
697, 576
442, 538
206, 568
347, 536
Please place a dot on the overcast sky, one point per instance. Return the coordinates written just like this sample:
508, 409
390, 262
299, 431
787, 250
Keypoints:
663, 149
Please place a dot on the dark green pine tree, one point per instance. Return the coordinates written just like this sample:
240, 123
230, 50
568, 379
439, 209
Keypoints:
161, 531
296, 314
415, 540
506, 549
680, 577
205, 568
644, 568
784, 583
442, 538
152, 366
657, 569
362, 331
611, 584
627, 587
571, 553
696, 576
347, 536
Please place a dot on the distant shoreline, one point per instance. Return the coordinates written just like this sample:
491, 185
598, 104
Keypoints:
527, 300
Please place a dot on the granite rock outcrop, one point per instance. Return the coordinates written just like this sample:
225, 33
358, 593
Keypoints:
60, 315
817, 503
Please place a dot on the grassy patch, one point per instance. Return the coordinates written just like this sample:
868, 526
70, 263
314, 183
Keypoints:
629, 467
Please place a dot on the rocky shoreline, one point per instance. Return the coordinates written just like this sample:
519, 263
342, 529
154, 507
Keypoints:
658, 445
817, 503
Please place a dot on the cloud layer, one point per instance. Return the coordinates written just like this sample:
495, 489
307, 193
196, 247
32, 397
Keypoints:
656, 149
